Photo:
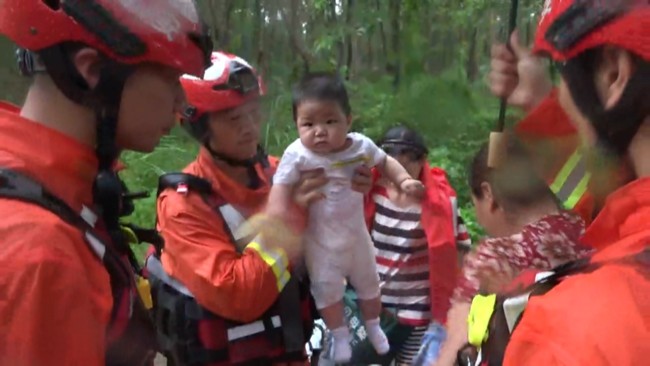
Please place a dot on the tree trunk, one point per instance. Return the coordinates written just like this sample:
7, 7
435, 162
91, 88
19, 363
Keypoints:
258, 37
382, 35
394, 11
471, 66
348, 39
295, 35
225, 33
340, 47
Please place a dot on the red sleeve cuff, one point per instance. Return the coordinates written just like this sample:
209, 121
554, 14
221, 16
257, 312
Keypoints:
547, 120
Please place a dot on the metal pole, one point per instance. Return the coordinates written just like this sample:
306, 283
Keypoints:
497, 144
514, 6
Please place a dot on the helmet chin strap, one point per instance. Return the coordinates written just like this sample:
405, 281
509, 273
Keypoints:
244, 163
104, 99
259, 157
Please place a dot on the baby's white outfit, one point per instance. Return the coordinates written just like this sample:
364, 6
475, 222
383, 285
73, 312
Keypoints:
337, 243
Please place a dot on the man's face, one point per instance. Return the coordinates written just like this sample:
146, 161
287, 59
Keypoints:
151, 100
236, 132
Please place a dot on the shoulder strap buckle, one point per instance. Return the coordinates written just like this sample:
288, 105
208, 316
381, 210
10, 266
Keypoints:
183, 183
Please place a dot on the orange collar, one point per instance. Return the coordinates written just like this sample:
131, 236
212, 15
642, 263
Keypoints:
236, 194
63, 165
625, 213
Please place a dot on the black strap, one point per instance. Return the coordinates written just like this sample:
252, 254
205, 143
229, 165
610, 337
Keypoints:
14, 185
583, 265
292, 326
193, 182
197, 185
200, 185
17, 186
145, 235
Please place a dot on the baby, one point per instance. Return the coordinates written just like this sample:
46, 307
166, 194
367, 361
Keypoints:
337, 245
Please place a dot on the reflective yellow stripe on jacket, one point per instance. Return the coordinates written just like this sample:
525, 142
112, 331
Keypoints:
572, 181
277, 260
478, 319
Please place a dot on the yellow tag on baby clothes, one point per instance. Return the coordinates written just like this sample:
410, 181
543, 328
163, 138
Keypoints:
343, 163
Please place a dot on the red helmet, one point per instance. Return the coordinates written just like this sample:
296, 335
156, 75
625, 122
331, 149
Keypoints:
569, 27
229, 82
167, 32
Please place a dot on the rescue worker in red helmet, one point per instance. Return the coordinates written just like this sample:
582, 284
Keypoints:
105, 79
599, 315
247, 303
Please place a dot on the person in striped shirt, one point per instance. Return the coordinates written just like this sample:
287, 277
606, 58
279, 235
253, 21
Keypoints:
409, 242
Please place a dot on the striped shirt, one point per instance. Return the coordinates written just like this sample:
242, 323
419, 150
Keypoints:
402, 260
463, 240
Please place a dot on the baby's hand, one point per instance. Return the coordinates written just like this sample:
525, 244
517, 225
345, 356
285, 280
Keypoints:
412, 187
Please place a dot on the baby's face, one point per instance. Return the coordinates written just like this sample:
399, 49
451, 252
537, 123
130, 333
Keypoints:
322, 125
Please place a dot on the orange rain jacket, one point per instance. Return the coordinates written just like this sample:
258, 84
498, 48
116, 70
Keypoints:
553, 141
599, 318
200, 253
55, 295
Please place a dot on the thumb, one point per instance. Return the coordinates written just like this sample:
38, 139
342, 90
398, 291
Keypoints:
518, 49
310, 198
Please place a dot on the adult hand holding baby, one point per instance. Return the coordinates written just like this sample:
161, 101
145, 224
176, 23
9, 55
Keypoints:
308, 188
362, 179
280, 227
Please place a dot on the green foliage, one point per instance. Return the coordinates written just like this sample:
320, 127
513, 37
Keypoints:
142, 172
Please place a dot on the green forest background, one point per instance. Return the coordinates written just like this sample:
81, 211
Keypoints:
420, 62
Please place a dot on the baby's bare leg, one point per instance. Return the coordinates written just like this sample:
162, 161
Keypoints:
365, 281
333, 315
370, 309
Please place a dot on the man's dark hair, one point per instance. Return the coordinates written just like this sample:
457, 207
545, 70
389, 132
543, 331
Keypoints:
321, 86
615, 126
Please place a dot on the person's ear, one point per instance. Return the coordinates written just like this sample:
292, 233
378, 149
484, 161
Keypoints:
488, 196
614, 72
88, 63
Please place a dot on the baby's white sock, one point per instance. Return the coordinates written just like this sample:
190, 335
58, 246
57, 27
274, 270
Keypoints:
342, 348
377, 337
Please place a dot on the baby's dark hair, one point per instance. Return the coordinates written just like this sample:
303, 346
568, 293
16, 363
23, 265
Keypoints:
322, 86
515, 183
